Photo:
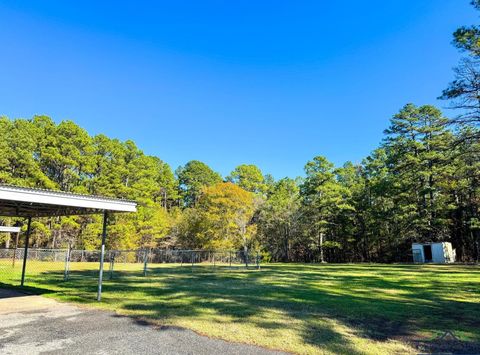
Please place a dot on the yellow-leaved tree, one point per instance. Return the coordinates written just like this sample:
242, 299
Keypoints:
227, 211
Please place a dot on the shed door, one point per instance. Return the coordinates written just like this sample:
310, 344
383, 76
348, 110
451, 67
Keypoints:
427, 252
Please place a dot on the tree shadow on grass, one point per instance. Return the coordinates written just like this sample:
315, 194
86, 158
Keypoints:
375, 302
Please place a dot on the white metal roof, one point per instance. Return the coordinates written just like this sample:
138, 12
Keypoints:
24, 202
430, 243
6, 229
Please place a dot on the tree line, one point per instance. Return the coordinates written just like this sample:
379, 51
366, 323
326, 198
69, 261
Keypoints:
421, 184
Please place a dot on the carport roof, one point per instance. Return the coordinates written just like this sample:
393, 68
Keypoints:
18, 201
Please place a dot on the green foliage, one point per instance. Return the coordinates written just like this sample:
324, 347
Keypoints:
323, 201
418, 147
462, 92
249, 178
192, 178
467, 38
278, 219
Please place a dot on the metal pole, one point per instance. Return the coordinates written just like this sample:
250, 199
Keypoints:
25, 253
15, 250
102, 255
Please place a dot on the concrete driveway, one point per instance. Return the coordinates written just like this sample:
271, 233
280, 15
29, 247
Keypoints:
36, 325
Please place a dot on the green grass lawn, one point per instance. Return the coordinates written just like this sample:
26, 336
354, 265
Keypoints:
302, 308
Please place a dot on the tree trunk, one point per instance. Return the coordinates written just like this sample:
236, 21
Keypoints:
243, 230
320, 243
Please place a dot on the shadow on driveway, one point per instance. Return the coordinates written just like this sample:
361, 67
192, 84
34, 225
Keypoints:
32, 324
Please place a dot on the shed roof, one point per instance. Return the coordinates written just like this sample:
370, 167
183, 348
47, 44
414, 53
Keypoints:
431, 243
28, 202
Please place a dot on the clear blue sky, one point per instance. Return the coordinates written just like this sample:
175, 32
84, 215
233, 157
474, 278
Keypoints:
272, 83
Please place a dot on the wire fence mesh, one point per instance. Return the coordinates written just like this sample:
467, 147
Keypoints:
10, 265
204, 257
49, 266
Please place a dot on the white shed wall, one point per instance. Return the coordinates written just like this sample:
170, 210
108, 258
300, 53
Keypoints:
438, 255
417, 249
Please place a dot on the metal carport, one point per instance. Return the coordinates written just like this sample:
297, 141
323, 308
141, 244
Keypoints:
18, 201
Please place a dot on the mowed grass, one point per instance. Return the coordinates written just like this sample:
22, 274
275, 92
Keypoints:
301, 308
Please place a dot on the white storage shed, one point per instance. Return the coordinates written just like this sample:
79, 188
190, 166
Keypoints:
440, 253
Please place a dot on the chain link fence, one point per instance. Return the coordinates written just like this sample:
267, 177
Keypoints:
204, 257
45, 266
10, 265
41, 263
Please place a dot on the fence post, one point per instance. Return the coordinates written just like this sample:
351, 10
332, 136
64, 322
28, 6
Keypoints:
67, 264
112, 262
145, 260
15, 250
230, 258
258, 261
191, 257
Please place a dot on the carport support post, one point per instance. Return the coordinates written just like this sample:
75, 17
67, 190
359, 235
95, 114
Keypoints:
102, 255
25, 253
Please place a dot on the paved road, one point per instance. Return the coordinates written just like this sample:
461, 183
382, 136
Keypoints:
37, 325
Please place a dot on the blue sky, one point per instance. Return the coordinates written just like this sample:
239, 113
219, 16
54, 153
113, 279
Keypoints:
272, 83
